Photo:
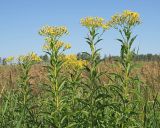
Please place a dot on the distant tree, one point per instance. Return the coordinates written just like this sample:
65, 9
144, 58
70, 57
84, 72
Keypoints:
3, 61
0, 60
149, 57
85, 56
45, 58
141, 57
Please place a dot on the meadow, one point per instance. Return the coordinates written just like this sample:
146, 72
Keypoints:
68, 92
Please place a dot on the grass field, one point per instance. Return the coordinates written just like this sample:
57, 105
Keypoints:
149, 72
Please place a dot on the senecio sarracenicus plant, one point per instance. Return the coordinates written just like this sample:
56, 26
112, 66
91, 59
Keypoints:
55, 50
124, 23
96, 27
25, 97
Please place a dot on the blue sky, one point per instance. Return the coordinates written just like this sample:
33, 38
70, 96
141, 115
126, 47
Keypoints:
20, 21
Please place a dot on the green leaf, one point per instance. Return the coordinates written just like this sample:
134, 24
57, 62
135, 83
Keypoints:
120, 40
61, 85
19, 122
98, 41
131, 41
71, 125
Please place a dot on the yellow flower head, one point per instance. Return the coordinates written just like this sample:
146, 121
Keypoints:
9, 59
59, 44
128, 18
72, 61
67, 46
93, 22
53, 31
31, 57
22, 59
70, 57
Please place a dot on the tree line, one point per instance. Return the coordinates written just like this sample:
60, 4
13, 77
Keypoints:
83, 56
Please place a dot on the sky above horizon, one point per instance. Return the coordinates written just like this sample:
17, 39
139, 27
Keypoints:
20, 21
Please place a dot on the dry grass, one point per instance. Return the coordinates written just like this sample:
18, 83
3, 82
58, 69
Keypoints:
148, 71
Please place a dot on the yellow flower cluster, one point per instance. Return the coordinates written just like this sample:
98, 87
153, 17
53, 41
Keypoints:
53, 31
29, 58
9, 59
94, 22
58, 45
67, 46
72, 62
126, 18
131, 17
34, 57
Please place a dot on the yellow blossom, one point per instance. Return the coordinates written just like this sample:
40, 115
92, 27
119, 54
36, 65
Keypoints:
9, 59
53, 31
93, 22
72, 61
67, 46
59, 44
29, 58
105, 26
22, 58
34, 57
71, 57
128, 18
